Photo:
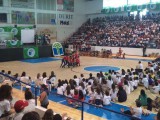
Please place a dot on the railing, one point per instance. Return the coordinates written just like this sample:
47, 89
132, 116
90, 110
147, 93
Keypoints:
126, 117
12, 78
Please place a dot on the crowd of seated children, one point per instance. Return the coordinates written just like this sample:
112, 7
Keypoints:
118, 84
70, 60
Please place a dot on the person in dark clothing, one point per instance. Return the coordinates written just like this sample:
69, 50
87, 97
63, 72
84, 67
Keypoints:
122, 95
144, 50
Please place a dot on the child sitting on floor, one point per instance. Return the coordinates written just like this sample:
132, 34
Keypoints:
107, 98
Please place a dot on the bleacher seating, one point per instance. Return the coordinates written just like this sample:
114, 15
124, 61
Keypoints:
119, 31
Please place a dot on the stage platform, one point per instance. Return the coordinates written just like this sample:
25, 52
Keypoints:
11, 54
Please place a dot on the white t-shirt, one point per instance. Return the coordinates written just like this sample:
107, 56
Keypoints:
141, 66
145, 82
156, 89
138, 112
113, 93
25, 79
31, 106
4, 106
109, 83
77, 81
72, 91
97, 96
127, 89
106, 100
45, 80
60, 90
89, 88
18, 116
136, 82
53, 80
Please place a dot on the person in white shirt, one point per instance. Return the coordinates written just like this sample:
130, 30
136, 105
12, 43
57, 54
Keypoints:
24, 78
151, 68
106, 98
5, 100
113, 93
126, 87
109, 82
76, 80
19, 107
155, 89
88, 88
145, 81
81, 77
60, 89
38, 80
140, 65
98, 97
91, 96
115, 78
52, 79
45, 78
31, 101
136, 82
131, 84
136, 112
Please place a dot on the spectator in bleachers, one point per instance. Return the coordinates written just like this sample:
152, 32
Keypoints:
5, 101
45, 78
19, 107
119, 31
48, 115
44, 96
24, 77
2, 77
31, 116
31, 101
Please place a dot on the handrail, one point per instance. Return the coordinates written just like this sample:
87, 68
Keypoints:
6, 75
72, 99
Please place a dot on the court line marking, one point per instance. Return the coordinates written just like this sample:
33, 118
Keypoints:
61, 101
100, 69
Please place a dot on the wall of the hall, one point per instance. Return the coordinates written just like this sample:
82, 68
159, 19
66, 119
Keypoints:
79, 18
93, 7
41, 12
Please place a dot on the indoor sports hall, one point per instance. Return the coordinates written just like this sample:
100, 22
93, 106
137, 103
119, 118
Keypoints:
79, 60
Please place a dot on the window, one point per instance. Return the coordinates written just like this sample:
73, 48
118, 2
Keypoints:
3, 17
46, 4
114, 3
23, 4
138, 2
21, 17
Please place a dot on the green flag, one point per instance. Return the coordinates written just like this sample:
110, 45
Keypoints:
30, 52
13, 43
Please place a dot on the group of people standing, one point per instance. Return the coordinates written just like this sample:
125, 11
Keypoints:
70, 60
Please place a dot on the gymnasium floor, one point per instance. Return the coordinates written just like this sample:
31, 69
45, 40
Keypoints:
58, 103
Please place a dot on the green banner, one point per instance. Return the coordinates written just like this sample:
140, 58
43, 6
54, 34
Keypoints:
15, 31
13, 43
30, 52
